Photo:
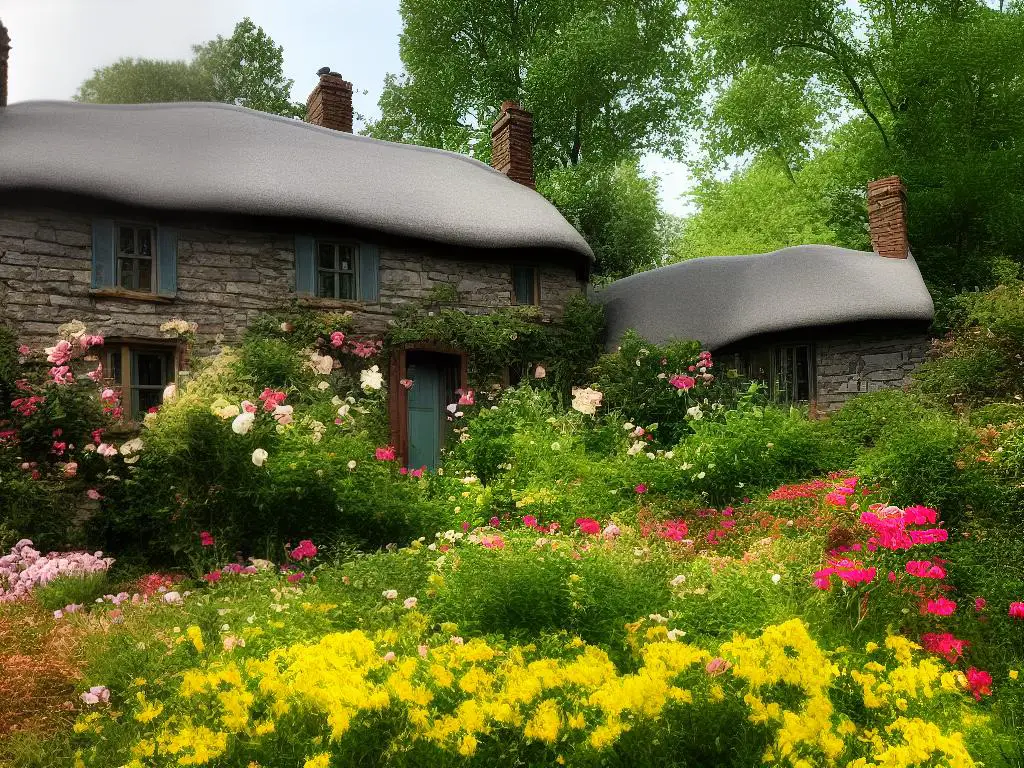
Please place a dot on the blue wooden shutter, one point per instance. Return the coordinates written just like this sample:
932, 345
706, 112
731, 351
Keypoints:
369, 272
305, 265
167, 261
104, 258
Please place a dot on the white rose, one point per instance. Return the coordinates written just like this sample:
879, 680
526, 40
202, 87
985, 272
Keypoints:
371, 379
243, 423
259, 456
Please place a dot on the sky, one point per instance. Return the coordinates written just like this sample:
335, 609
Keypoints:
56, 44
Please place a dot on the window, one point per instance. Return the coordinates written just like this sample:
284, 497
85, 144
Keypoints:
336, 271
142, 373
793, 373
135, 258
524, 285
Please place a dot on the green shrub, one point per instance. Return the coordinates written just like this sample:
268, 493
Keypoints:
863, 419
755, 448
71, 589
636, 381
933, 461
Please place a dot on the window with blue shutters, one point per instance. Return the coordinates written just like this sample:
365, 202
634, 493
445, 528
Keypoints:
336, 269
134, 257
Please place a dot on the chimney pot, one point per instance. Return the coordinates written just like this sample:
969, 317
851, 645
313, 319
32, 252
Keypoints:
330, 103
887, 217
512, 144
5, 49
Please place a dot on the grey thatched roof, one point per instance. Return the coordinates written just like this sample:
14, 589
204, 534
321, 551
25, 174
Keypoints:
227, 159
723, 299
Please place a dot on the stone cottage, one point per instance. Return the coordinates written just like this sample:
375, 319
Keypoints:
125, 216
819, 324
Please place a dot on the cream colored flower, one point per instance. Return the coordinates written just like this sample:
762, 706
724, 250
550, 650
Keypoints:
259, 456
371, 379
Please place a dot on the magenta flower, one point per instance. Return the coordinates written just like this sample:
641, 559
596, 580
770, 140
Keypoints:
385, 454
681, 381
640, 489
306, 549
979, 683
945, 644
1017, 610
588, 525
925, 569
296, 577
530, 521
940, 606
979, 604
205, 539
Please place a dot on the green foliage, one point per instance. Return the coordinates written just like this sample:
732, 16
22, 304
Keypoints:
513, 338
759, 209
754, 448
245, 69
615, 208
862, 420
635, 380
929, 92
71, 589
9, 368
603, 82
982, 358
933, 460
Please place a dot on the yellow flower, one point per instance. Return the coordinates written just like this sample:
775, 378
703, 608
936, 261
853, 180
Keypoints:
1014, 674
264, 727
545, 723
322, 760
150, 710
467, 747
195, 634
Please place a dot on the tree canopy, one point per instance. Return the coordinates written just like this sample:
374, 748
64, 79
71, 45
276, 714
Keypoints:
245, 69
932, 92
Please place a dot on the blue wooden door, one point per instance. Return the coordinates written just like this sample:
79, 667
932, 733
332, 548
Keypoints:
425, 415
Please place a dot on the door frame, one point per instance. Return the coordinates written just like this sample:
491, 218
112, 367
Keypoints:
398, 396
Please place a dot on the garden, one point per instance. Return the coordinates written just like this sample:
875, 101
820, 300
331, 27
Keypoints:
634, 558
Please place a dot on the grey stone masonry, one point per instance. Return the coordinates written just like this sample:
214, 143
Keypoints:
226, 278
851, 366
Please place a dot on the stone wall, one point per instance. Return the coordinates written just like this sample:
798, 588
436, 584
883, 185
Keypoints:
225, 279
847, 367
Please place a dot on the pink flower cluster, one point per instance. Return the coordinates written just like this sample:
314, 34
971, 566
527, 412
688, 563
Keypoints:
271, 399
845, 488
366, 349
306, 550
386, 453
850, 572
890, 526
945, 645
26, 568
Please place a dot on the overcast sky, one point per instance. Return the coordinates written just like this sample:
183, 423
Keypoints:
56, 44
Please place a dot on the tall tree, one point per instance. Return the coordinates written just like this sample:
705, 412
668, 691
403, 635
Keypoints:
616, 209
931, 91
603, 78
245, 69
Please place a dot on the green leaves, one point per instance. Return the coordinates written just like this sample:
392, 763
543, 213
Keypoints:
603, 79
244, 69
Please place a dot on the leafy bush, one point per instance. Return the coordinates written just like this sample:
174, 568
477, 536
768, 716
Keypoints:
933, 461
655, 386
982, 358
753, 448
862, 420
73, 589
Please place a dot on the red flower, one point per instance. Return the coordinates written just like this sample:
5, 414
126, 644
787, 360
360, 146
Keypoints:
305, 549
640, 489
385, 454
588, 525
940, 606
1017, 610
979, 683
945, 644
206, 539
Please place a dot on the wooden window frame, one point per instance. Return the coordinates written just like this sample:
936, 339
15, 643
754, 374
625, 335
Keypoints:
154, 269
124, 348
536, 284
337, 245
811, 372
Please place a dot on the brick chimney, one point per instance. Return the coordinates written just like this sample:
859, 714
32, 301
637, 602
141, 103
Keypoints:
512, 144
5, 50
330, 103
887, 217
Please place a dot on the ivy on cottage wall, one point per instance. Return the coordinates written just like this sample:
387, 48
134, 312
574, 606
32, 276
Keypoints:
512, 339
